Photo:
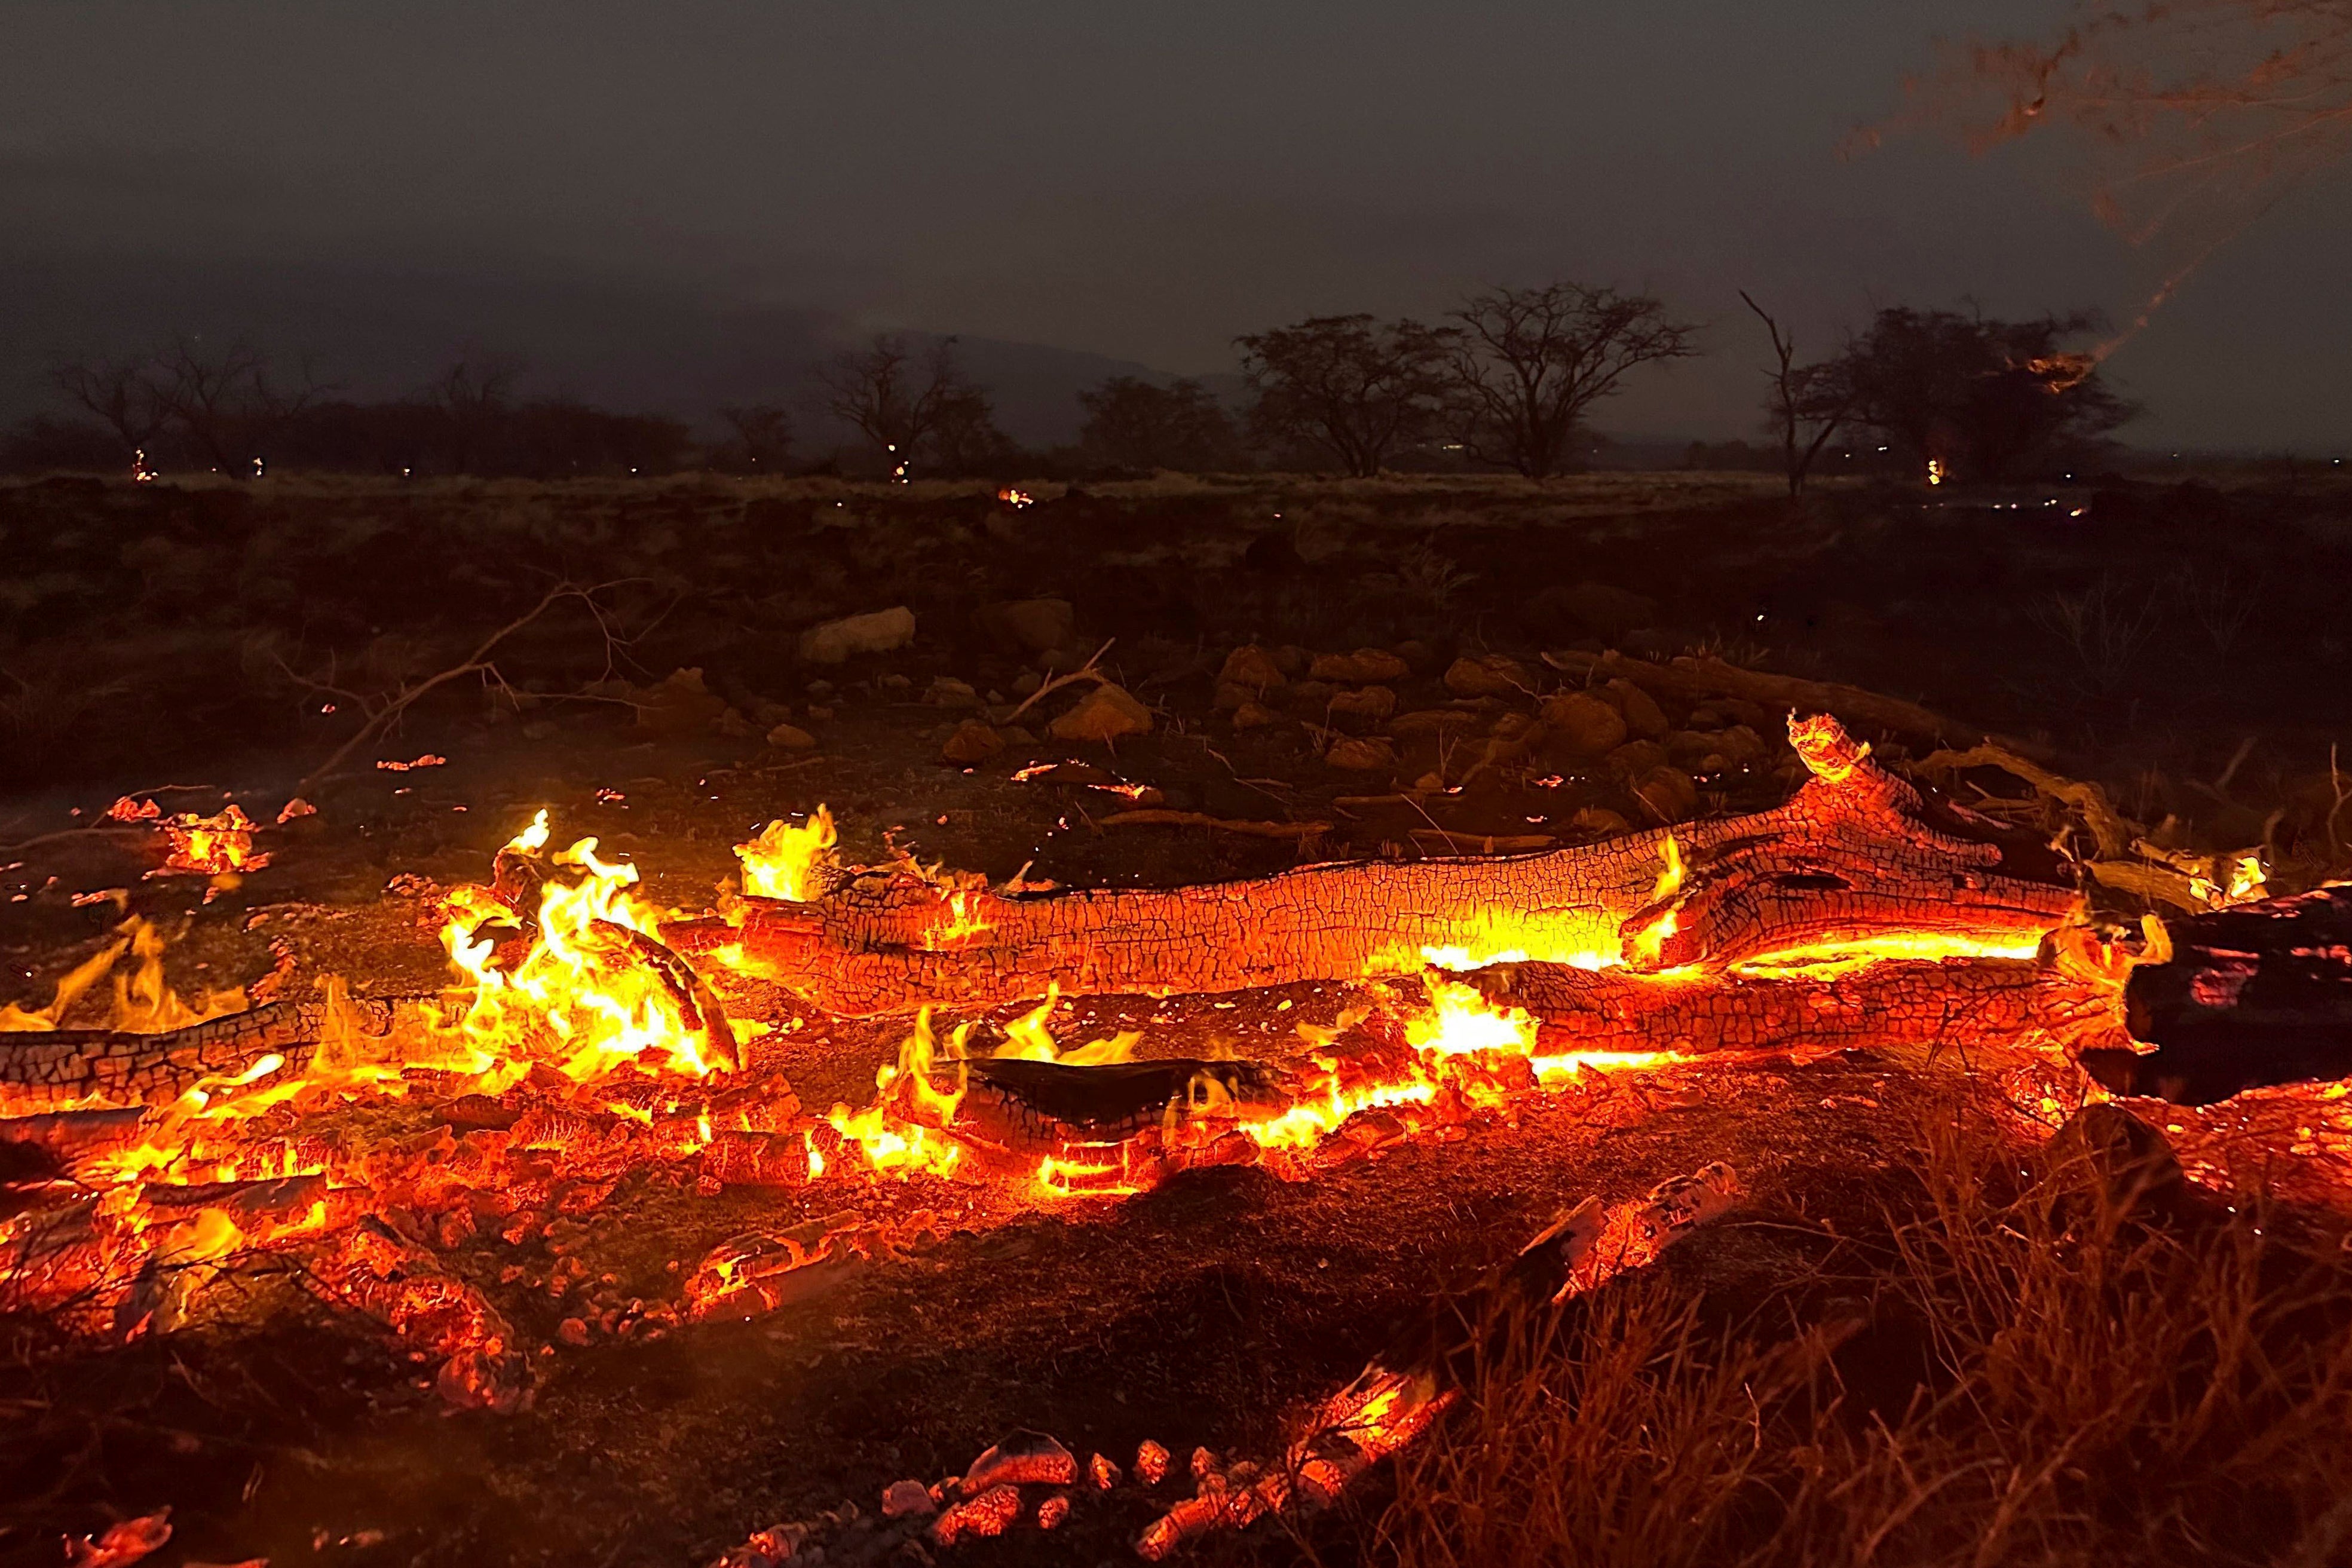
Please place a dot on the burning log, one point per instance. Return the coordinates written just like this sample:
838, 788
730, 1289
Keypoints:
2255, 994
371, 1268
1854, 857
1962, 1002
56, 1070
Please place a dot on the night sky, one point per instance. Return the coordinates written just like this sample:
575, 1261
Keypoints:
657, 202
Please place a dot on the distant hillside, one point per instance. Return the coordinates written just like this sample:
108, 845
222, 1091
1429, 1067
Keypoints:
383, 331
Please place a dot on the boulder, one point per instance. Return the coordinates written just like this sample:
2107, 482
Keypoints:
681, 705
972, 742
1028, 625
1668, 793
837, 642
1642, 715
1360, 754
1365, 667
1371, 702
1486, 675
1599, 822
791, 738
1254, 716
947, 692
1253, 669
1104, 714
1589, 727
1634, 758
1743, 746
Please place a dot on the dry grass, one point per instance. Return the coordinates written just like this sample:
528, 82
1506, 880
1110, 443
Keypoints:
2012, 1372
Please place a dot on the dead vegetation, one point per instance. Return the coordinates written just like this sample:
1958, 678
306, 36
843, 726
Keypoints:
2015, 1366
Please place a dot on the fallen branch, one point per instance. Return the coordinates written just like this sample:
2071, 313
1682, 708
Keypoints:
1086, 671
1693, 679
385, 712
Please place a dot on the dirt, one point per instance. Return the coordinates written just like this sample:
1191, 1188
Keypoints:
153, 635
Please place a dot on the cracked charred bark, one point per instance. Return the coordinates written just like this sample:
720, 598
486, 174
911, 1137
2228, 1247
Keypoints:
1854, 856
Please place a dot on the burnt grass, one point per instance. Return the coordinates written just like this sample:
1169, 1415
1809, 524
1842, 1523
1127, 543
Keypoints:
2140, 632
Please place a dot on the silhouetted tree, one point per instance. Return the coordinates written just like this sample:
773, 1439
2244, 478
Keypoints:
123, 394
964, 438
1984, 399
1527, 362
225, 403
762, 436
1358, 388
44, 442
1132, 424
472, 397
895, 402
1809, 403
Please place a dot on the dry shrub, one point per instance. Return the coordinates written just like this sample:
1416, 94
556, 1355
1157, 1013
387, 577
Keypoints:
2070, 1386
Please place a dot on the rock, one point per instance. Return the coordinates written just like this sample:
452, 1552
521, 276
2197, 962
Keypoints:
1642, 715
1668, 793
791, 738
1309, 696
837, 642
907, 1499
972, 742
1371, 702
1417, 655
1424, 721
1018, 735
1105, 714
2124, 1164
818, 713
1360, 754
1254, 716
1365, 667
1253, 669
1023, 1459
1487, 675
1028, 625
896, 684
1026, 682
819, 691
1292, 660
1686, 748
1742, 746
1230, 698
1607, 611
1634, 758
1598, 821
681, 705
1590, 727
947, 692
732, 725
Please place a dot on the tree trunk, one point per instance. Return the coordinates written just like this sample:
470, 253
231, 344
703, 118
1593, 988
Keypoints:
1854, 857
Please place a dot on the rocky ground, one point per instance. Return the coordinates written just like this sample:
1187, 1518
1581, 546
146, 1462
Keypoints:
1158, 683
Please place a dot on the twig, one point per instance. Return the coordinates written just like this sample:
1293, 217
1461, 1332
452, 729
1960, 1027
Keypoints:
476, 663
1086, 671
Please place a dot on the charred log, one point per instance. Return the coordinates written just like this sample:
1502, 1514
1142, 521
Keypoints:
1021, 1104
2258, 993
1856, 856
